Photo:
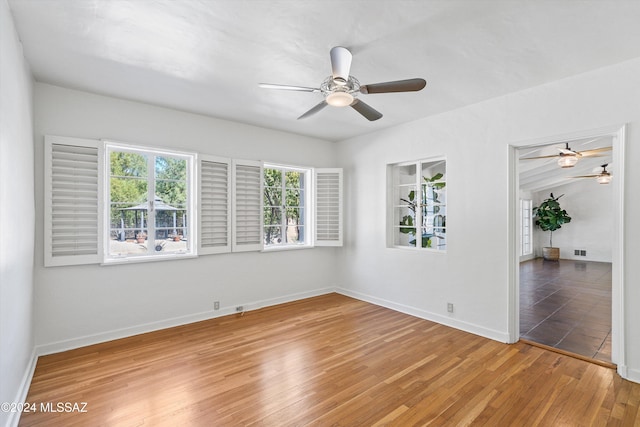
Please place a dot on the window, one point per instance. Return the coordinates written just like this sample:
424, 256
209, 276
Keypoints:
526, 227
286, 206
109, 202
149, 203
417, 213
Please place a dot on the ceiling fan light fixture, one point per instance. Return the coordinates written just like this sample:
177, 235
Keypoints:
339, 99
341, 89
604, 179
567, 161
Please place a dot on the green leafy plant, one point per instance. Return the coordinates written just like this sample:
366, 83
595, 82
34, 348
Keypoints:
550, 216
431, 183
407, 220
436, 185
407, 223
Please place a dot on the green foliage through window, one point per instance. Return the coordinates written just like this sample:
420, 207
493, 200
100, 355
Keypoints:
132, 176
284, 206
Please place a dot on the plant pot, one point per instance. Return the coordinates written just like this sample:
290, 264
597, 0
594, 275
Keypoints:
177, 238
551, 254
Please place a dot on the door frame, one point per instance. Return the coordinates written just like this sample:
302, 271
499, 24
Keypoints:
618, 329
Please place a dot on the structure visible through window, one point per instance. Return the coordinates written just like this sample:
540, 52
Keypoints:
417, 214
285, 206
108, 202
149, 203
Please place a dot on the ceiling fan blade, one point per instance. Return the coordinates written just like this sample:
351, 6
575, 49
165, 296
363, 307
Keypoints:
585, 176
592, 153
568, 152
288, 87
409, 85
552, 156
367, 111
541, 157
314, 110
340, 64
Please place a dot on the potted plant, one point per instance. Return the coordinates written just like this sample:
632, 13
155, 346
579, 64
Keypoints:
428, 192
550, 217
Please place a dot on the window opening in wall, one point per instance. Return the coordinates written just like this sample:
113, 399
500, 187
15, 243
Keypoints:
526, 227
417, 202
149, 203
285, 206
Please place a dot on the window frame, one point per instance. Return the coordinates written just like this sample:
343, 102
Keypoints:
77, 206
526, 227
308, 206
397, 201
192, 215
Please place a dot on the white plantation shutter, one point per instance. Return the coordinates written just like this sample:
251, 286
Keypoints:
215, 205
73, 181
247, 206
328, 207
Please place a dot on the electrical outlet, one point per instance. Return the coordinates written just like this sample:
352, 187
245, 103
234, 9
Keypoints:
576, 252
240, 309
450, 307
216, 305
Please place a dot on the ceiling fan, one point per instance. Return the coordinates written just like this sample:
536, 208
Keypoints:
341, 89
568, 158
604, 177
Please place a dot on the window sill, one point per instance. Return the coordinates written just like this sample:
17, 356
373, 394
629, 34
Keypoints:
408, 248
142, 259
286, 248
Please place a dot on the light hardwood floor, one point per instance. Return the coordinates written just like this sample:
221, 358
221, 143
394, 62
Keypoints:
326, 361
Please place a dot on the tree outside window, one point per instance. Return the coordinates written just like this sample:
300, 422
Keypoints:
284, 207
149, 212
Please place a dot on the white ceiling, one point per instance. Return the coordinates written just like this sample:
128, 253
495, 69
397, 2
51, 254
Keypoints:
208, 56
545, 174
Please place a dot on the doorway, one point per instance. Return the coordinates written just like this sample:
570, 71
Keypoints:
566, 305
573, 303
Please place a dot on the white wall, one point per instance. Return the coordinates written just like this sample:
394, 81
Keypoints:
590, 206
82, 304
473, 274
16, 218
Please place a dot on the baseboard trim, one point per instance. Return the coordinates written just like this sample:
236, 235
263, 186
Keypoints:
21, 395
632, 375
73, 343
423, 314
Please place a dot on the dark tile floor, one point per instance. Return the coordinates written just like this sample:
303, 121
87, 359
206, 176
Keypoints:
567, 305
